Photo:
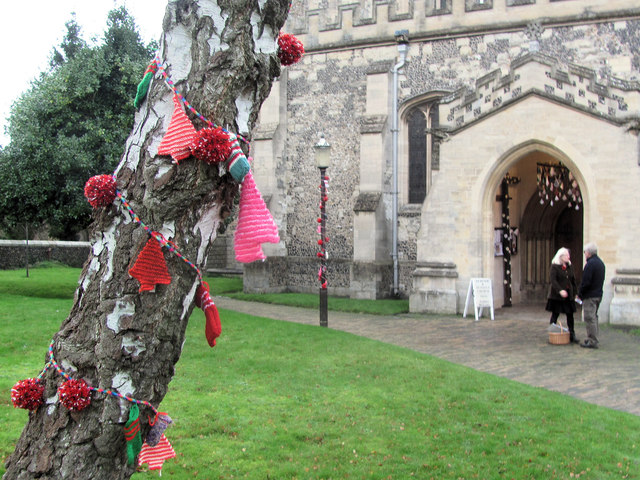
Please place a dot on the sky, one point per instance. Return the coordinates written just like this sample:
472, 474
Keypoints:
30, 30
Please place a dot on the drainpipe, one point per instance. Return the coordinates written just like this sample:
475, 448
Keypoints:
402, 39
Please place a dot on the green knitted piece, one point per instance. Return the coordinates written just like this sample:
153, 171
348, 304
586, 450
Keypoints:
236, 162
239, 169
143, 88
132, 434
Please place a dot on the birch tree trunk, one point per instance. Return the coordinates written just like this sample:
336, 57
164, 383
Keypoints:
221, 55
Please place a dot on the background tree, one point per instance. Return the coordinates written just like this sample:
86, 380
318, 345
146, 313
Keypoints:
222, 57
69, 126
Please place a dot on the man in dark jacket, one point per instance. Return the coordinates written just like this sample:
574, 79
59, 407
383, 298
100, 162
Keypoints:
590, 292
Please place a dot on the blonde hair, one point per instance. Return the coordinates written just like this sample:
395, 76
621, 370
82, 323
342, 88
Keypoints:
556, 259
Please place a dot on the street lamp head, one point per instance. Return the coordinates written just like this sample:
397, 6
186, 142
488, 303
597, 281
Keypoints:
322, 152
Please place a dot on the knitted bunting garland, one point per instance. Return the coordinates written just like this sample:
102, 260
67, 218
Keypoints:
155, 456
213, 328
179, 135
150, 268
255, 224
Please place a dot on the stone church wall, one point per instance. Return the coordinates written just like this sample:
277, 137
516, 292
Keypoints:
342, 87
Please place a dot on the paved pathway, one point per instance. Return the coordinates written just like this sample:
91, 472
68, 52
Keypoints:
514, 345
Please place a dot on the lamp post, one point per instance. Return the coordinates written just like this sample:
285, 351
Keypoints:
322, 152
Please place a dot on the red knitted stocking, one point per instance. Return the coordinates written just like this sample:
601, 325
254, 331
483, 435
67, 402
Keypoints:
213, 328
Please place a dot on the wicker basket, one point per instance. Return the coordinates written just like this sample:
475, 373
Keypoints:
559, 338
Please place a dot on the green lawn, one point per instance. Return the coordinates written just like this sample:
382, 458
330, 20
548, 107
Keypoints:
278, 400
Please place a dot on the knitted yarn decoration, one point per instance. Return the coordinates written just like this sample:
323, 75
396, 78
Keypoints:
132, 434
155, 456
213, 327
179, 135
158, 426
237, 163
27, 394
75, 394
100, 190
211, 145
150, 268
255, 224
290, 49
143, 86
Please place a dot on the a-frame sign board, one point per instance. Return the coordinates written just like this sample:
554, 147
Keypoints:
480, 290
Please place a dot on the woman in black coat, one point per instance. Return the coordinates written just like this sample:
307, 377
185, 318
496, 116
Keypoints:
563, 289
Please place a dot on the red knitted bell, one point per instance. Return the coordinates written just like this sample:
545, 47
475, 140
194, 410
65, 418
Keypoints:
100, 190
27, 394
150, 268
75, 394
211, 145
290, 49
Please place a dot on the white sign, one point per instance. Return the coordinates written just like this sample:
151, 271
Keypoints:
480, 290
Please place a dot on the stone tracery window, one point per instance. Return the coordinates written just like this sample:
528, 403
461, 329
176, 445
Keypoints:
417, 122
423, 149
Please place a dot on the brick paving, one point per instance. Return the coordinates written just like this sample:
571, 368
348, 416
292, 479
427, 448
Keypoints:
514, 345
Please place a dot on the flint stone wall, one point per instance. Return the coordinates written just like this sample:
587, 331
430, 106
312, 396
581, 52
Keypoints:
13, 253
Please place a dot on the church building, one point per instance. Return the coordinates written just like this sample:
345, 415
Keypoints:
468, 139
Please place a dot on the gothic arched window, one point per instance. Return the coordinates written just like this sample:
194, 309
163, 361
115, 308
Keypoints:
423, 153
417, 123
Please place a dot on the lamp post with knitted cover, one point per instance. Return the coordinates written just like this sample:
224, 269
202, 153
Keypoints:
322, 151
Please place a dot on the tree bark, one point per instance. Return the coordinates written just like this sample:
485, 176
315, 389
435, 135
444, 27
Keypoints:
222, 57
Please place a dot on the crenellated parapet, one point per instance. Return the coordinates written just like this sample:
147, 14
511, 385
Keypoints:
334, 14
609, 98
341, 23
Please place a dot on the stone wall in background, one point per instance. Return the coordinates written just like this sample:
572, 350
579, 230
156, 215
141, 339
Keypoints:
13, 253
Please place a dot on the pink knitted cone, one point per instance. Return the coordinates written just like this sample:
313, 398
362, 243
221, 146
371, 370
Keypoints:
179, 134
255, 224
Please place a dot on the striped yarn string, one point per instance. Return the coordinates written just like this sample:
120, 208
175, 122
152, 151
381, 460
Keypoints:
44, 370
157, 235
105, 391
186, 103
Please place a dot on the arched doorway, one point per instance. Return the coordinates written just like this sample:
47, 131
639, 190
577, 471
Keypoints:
542, 228
546, 228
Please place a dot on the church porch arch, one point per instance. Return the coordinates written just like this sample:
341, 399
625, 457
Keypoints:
539, 228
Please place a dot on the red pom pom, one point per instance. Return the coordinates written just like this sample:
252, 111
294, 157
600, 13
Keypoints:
27, 394
100, 190
211, 145
290, 49
75, 394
